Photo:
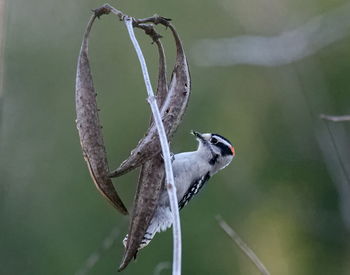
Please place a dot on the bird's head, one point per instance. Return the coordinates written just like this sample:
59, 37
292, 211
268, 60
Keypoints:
219, 149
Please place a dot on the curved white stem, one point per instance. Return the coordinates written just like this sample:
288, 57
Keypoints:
165, 150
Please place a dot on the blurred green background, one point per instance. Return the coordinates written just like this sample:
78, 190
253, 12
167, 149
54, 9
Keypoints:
287, 192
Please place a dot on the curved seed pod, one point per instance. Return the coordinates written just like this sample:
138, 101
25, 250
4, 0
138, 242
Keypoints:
150, 181
162, 86
89, 127
146, 200
172, 112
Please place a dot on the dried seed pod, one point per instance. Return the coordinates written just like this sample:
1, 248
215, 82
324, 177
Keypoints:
162, 85
146, 200
172, 112
150, 181
89, 127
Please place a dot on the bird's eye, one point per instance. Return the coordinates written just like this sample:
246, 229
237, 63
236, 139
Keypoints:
213, 140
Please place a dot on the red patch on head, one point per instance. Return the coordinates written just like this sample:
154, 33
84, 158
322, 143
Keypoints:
233, 150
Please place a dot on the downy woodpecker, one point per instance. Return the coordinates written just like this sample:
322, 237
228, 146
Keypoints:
191, 171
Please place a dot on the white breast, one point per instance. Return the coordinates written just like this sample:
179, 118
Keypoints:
187, 168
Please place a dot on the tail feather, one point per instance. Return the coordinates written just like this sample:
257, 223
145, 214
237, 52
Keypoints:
161, 221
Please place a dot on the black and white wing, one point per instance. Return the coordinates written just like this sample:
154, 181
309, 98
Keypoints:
193, 190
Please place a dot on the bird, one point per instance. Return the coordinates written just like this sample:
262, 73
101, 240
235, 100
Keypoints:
191, 170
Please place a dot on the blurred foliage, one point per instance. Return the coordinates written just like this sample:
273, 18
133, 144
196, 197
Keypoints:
279, 193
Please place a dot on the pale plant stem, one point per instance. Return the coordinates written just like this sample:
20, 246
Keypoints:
160, 267
95, 256
335, 118
2, 46
165, 151
242, 245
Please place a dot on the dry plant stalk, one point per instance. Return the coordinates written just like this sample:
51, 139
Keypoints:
335, 118
151, 177
172, 110
89, 127
107, 243
152, 172
171, 188
242, 245
3, 26
172, 101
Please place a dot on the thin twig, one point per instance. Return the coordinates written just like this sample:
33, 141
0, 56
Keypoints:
160, 267
165, 150
282, 49
335, 118
242, 245
95, 256
3, 20
337, 153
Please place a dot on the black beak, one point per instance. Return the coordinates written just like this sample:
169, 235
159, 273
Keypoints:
198, 135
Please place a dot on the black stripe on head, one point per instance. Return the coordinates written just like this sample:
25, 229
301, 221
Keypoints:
225, 150
225, 139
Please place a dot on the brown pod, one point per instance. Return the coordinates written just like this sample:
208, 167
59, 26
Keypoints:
89, 127
150, 181
146, 200
172, 112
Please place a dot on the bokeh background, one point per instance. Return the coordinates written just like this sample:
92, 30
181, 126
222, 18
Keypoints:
287, 192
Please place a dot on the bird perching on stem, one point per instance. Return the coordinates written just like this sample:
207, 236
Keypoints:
191, 171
